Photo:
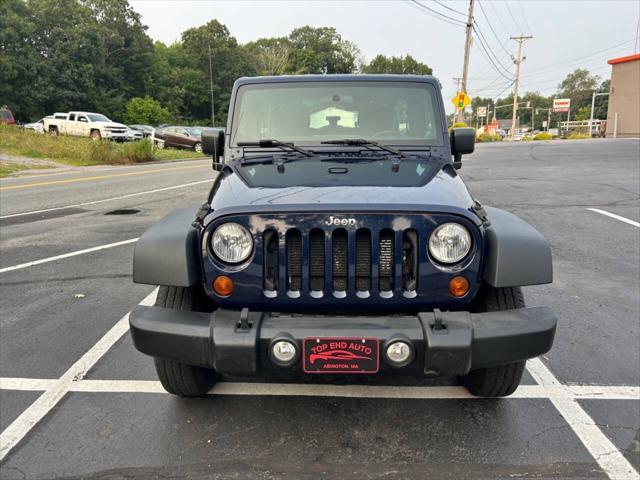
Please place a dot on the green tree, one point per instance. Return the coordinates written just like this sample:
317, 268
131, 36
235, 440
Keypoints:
401, 65
146, 111
578, 86
321, 50
270, 55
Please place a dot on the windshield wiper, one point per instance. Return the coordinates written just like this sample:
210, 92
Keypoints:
277, 144
360, 142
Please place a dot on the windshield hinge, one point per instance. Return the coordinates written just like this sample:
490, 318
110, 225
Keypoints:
480, 212
202, 212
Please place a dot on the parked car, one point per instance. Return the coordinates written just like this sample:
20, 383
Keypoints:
327, 248
147, 130
38, 126
85, 124
6, 116
133, 135
178, 137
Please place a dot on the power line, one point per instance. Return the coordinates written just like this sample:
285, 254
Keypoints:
449, 8
479, 32
512, 17
495, 13
445, 18
492, 30
524, 15
520, 39
488, 57
576, 59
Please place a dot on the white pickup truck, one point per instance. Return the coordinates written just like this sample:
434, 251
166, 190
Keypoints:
85, 124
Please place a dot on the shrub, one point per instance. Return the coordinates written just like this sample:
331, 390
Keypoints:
577, 135
146, 111
459, 125
487, 137
527, 138
543, 136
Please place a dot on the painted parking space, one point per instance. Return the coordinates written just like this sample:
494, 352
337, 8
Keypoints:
113, 419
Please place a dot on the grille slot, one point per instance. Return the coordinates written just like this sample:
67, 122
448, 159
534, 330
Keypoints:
385, 266
316, 260
363, 260
270, 264
293, 242
340, 260
409, 260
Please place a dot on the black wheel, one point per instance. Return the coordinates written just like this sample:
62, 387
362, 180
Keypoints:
501, 380
197, 147
53, 131
95, 135
179, 378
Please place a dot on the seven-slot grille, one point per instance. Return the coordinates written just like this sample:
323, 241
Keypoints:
340, 262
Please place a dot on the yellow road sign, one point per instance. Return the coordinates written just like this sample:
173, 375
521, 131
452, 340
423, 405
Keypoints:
461, 100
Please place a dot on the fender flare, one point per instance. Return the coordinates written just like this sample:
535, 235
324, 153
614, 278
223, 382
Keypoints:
516, 254
168, 252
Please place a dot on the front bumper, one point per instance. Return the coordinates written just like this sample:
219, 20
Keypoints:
444, 343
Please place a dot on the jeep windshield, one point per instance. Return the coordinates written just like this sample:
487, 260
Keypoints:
309, 113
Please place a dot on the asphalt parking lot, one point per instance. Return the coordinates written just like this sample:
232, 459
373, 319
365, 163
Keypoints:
77, 401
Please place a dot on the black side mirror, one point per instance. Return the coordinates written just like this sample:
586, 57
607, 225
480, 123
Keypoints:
213, 144
462, 143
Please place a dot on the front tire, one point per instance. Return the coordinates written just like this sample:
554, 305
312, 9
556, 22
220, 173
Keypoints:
95, 135
501, 380
198, 147
178, 378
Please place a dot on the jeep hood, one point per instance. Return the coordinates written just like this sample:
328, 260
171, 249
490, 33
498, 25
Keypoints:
444, 192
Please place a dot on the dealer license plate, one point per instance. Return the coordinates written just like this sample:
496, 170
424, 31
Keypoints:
341, 355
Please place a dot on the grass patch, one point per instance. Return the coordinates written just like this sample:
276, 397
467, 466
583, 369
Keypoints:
81, 151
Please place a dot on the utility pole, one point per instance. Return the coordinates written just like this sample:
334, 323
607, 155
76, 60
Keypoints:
467, 50
213, 121
521, 39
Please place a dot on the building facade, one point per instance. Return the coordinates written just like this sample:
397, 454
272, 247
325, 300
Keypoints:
623, 115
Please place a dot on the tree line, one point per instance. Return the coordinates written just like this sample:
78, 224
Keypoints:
60, 55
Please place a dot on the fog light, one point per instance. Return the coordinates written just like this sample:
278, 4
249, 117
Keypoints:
399, 353
458, 286
223, 286
284, 352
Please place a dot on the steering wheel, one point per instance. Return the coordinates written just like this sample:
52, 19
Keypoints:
384, 132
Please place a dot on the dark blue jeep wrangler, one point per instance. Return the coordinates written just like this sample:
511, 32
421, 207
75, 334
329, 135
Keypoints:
338, 239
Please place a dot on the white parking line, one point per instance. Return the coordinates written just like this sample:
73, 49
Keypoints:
578, 392
44, 210
617, 217
28, 419
67, 255
610, 459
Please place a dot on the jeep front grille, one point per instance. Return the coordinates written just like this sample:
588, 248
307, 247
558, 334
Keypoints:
340, 262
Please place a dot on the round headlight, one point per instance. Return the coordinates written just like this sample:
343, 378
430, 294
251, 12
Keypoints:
450, 243
232, 243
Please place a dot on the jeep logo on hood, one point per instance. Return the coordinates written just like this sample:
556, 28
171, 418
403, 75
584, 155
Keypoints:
337, 222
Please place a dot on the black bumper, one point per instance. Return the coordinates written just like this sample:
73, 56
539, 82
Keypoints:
445, 343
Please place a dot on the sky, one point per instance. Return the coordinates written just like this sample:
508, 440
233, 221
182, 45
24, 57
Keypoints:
566, 34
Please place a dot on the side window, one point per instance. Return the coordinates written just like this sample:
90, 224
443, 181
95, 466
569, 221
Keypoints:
82, 118
72, 117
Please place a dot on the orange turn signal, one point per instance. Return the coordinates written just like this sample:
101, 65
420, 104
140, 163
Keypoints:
458, 286
223, 286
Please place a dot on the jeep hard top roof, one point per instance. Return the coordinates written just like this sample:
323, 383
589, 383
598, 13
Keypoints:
339, 78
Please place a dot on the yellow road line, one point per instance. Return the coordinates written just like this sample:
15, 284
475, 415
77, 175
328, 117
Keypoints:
99, 177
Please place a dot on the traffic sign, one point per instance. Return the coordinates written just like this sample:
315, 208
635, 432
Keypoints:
482, 111
461, 100
561, 104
